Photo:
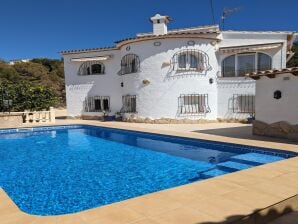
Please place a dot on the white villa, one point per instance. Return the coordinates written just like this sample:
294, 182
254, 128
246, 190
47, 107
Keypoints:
193, 73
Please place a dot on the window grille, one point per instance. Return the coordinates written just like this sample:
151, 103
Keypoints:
97, 104
130, 63
129, 104
243, 103
92, 68
193, 104
190, 60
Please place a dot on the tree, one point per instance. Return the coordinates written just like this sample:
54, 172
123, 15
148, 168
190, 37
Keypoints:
294, 60
48, 73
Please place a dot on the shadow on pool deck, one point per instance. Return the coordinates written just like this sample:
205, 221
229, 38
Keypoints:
272, 216
242, 133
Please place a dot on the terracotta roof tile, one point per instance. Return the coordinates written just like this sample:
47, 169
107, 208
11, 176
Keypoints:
88, 50
135, 38
272, 73
166, 35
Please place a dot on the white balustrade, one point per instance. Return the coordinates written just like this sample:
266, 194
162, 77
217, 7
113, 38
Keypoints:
40, 116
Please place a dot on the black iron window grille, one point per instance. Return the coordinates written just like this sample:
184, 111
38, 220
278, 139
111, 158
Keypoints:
130, 63
97, 104
92, 68
243, 103
193, 104
190, 60
129, 104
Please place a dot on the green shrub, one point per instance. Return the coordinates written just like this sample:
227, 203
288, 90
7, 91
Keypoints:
25, 96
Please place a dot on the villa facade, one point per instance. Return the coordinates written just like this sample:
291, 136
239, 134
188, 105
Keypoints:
192, 73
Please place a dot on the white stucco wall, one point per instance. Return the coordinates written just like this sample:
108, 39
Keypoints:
159, 99
271, 110
79, 87
278, 55
227, 87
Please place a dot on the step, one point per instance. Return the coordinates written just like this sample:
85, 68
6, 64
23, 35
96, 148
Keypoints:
212, 173
255, 158
231, 166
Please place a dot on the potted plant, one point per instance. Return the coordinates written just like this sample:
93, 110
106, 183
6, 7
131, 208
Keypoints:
251, 118
118, 116
106, 116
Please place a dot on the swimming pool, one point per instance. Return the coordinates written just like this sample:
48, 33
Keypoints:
65, 169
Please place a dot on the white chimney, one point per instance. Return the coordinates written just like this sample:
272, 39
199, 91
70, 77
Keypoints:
160, 24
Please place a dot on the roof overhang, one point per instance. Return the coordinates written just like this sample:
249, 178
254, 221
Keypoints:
95, 58
248, 48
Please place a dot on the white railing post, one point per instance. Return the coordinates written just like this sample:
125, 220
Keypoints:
46, 116
52, 115
34, 117
27, 119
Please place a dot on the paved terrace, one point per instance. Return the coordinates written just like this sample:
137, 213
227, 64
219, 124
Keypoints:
253, 196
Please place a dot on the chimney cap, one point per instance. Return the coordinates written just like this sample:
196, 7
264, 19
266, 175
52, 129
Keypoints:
158, 16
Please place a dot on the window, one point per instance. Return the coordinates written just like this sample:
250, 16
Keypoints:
96, 69
246, 64
190, 60
193, 61
228, 66
182, 61
240, 64
193, 104
97, 104
129, 104
264, 62
243, 103
92, 68
130, 63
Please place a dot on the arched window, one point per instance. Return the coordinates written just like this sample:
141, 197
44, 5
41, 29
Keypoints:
240, 64
92, 68
190, 60
130, 63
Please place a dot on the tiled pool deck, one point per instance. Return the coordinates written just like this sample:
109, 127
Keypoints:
249, 196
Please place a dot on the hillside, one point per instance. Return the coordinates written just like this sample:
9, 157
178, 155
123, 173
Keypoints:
40, 71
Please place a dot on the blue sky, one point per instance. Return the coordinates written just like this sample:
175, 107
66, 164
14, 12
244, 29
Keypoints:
42, 28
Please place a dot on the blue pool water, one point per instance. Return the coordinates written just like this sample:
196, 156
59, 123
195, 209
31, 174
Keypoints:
59, 170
